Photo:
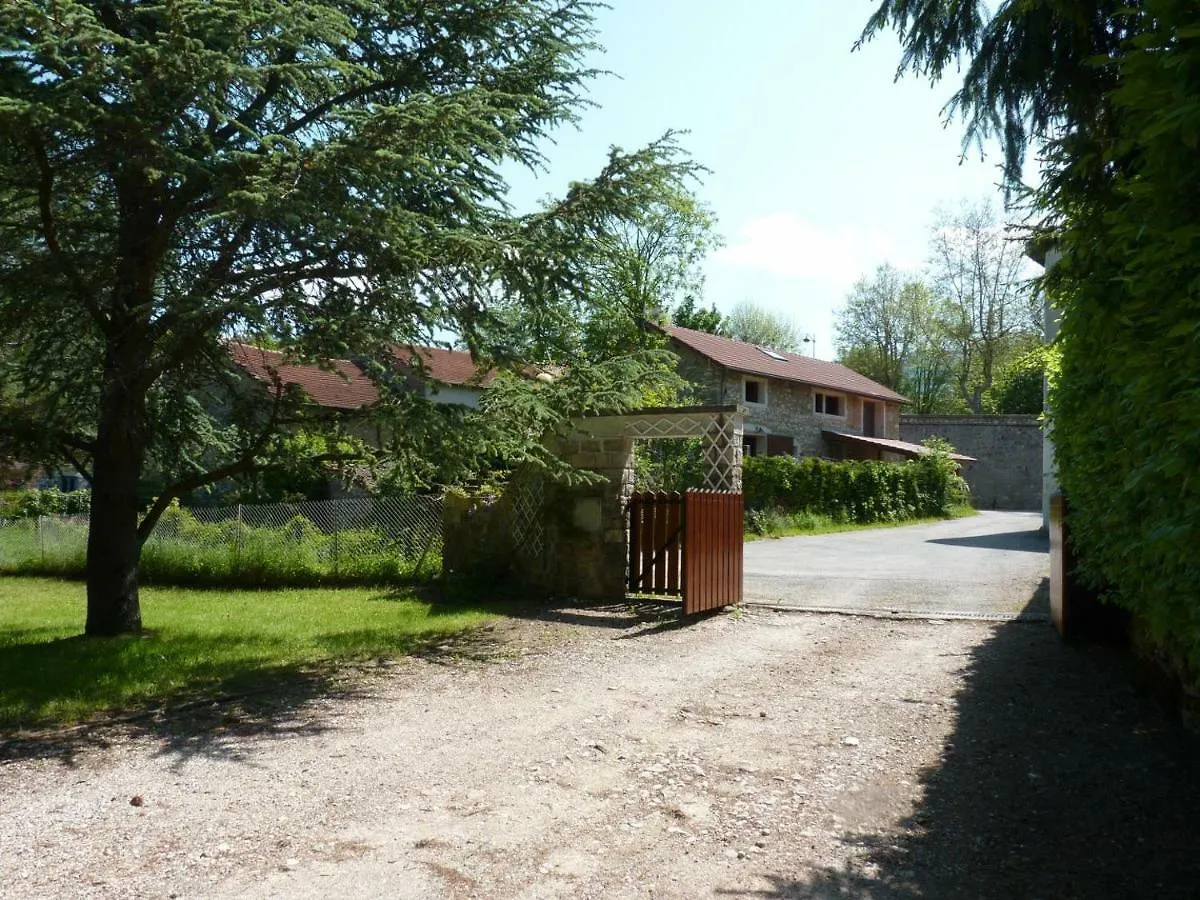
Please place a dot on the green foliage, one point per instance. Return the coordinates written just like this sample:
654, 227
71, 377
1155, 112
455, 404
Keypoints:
1127, 404
674, 465
777, 523
45, 502
882, 323
942, 341
1107, 91
328, 173
1019, 388
185, 551
854, 491
689, 315
988, 312
641, 268
757, 325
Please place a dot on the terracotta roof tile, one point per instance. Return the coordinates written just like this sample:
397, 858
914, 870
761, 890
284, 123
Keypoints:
343, 387
752, 360
446, 366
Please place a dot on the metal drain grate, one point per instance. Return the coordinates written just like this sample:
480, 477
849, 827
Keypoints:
878, 613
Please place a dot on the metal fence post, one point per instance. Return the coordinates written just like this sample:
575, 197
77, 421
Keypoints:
337, 537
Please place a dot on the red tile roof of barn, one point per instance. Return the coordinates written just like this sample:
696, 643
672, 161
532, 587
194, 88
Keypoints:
742, 357
446, 366
345, 387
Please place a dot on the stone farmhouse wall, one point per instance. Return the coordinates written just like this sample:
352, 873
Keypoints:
1008, 450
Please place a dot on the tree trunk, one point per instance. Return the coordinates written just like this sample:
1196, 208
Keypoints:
113, 547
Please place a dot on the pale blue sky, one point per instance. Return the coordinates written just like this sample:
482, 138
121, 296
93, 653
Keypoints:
822, 165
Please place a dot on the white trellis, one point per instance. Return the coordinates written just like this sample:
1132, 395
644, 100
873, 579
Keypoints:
528, 530
720, 429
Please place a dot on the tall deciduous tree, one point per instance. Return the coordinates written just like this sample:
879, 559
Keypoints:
688, 314
755, 324
328, 172
640, 269
878, 330
892, 330
989, 310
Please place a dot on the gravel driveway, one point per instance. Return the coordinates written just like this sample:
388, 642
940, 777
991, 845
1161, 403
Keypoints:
612, 754
989, 565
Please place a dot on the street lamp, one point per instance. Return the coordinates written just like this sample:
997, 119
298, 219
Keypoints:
811, 339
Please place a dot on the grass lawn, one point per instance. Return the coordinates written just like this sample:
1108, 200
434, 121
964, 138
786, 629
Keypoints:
810, 523
198, 643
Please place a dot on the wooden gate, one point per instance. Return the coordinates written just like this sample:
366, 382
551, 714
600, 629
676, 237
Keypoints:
687, 545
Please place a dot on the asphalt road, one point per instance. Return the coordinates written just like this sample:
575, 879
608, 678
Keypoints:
990, 565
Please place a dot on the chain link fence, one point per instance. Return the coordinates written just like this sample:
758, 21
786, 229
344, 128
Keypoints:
349, 541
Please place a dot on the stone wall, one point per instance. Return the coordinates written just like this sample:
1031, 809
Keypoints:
586, 524
1007, 473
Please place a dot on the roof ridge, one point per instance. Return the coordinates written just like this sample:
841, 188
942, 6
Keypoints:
749, 358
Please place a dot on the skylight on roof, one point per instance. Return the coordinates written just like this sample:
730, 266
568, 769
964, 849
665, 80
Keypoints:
772, 354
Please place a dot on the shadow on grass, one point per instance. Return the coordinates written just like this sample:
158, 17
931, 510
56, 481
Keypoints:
189, 693
1060, 780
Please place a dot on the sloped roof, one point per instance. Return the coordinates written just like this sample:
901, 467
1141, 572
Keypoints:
446, 366
905, 447
752, 360
343, 386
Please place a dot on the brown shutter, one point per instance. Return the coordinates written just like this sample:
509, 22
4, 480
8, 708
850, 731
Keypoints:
780, 445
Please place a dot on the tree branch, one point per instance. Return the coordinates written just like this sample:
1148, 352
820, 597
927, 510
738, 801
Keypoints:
270, 91
50, 229
359, 93
79, 466
246, 463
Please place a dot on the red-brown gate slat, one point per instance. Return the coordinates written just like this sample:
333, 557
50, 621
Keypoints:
675, 549
687, 545
655, 543
712, 551
635, 541
658, 581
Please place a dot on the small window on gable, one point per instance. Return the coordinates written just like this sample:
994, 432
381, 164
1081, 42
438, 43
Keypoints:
753, 391
828, 404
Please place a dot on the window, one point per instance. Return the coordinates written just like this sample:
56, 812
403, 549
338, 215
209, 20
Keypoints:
754, 391
773, 354
828, 404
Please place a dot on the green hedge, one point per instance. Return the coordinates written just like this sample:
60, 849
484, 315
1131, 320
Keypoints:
1126, 408
184, 551
26, 504
855, 491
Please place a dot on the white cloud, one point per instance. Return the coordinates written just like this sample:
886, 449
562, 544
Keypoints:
785, 245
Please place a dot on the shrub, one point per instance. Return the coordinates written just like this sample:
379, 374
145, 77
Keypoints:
184, 551
853, 491
29, 504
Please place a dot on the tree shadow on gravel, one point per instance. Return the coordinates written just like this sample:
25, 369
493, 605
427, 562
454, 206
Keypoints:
634, 618
1060, 780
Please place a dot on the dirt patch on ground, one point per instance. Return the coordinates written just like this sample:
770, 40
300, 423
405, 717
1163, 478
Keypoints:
607, 753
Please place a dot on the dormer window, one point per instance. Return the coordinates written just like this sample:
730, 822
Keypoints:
828, 404
754, 391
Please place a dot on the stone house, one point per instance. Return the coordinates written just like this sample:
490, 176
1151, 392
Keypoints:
795, 405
